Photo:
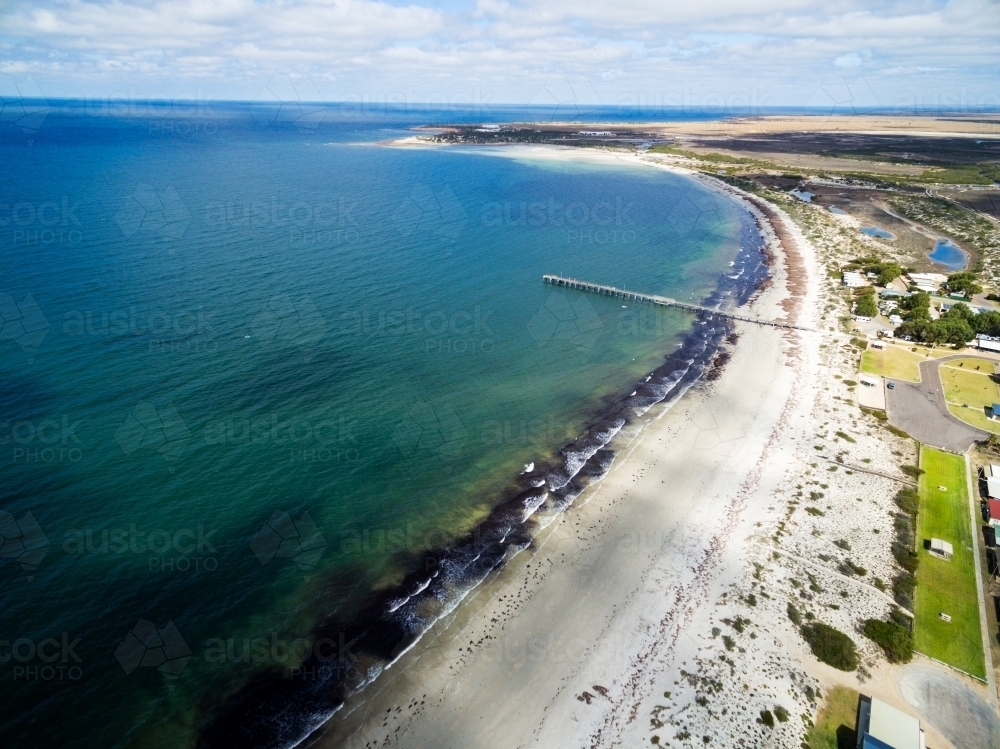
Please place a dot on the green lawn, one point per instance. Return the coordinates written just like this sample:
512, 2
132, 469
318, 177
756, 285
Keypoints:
892, 361
834, 728
947, 586
899, 360
969, 391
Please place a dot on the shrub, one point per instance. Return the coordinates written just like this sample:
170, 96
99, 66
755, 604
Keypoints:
877, 413
781, 714
903, 586
912, 471
908, 500
895, 640
766, 718
846, 437
794, 615
900, 618
850, 568
831, 646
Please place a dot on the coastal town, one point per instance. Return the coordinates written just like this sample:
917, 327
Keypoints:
850, 597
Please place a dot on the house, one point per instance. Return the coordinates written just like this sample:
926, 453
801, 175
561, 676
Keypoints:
994, 509
941, 548
881, 726
993, 487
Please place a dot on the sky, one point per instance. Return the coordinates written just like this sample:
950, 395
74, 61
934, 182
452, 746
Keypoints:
691, 53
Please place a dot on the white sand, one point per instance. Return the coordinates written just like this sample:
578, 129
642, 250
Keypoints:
579, 643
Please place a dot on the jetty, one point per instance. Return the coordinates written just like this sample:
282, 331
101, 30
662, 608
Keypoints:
664, 301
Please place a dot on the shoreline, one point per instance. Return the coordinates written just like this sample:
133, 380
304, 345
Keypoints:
434, 663
397, 619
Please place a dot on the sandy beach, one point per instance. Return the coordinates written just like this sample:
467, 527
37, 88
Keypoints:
578, 641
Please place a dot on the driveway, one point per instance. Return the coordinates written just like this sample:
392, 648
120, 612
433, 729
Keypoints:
919, 409
956, 709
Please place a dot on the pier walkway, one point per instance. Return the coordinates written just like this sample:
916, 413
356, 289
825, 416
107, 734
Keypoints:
663, 301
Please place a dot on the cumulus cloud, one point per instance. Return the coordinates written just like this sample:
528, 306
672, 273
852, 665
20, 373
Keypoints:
769, 52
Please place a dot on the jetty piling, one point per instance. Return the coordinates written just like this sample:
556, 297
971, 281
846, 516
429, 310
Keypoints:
664, 301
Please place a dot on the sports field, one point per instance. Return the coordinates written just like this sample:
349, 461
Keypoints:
947, 587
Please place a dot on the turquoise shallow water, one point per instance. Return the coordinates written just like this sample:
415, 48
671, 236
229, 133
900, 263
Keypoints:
252, 374
950, 255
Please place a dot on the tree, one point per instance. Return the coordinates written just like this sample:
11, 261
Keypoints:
866, 306
966, 282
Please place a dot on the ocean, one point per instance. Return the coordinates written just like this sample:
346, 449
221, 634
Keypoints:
276, 396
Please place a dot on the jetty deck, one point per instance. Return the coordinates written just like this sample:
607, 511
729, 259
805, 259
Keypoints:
664, 301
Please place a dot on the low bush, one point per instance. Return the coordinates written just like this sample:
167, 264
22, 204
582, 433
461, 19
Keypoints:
831, 646
794, 615
895, 640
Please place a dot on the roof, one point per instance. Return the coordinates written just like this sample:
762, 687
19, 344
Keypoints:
892, 726
870, 742
942, 546
993, 486
938, 278
995, 509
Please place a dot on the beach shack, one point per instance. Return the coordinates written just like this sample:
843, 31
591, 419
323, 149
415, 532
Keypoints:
991, 474
881, 726
984, 345
941, 549
994, 511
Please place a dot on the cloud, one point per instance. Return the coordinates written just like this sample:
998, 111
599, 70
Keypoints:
500, 50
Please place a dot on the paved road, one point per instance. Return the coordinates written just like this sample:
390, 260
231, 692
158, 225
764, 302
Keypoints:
950, 704
919, 409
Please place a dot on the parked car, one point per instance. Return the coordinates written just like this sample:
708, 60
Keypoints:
891, 385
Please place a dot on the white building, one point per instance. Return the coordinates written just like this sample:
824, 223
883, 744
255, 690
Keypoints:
881, 725
853, 280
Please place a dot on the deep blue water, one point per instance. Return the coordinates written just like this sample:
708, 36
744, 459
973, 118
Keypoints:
255, 365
